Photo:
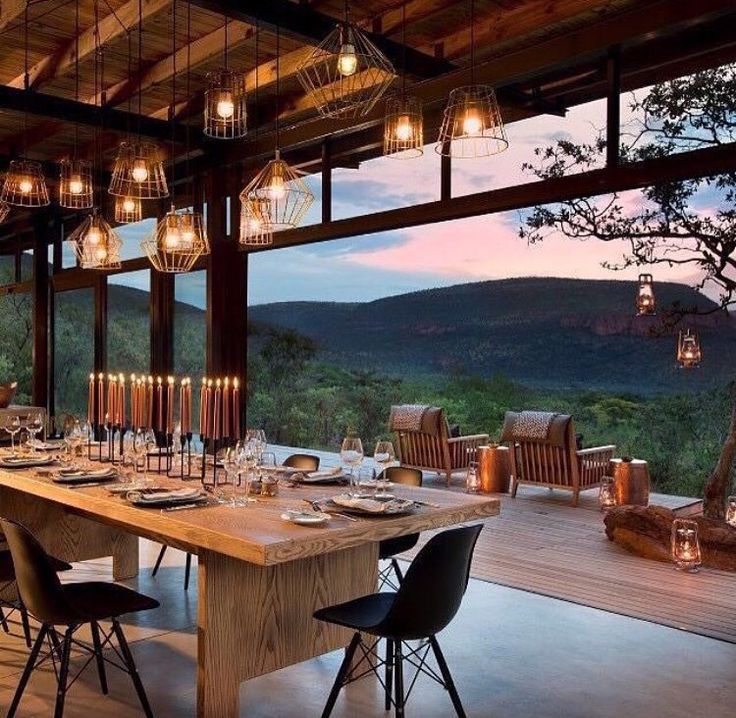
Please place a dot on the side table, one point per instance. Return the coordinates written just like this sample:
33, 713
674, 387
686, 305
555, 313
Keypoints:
630, 482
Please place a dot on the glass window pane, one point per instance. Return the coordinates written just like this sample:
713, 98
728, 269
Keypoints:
26, 265
74, 354
128, 322
7, 269
16, 329
190, 330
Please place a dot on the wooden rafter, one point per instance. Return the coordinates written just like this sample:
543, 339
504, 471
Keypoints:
112, 26
10, 10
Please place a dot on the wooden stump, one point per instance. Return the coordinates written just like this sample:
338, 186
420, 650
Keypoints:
645, 531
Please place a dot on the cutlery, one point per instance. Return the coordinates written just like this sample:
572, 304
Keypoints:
185, 506
85, 486
427, 503
316, 507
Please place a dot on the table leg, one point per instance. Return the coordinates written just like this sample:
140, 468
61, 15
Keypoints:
256, 619
125, 556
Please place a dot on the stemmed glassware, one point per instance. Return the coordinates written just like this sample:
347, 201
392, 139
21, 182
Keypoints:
231, 465
351, 454
73, 439
13, 428
384, 455
141, 444
35, 424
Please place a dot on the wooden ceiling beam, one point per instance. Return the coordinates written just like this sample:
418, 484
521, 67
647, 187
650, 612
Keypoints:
310, 27
10, 10
111, 27
635, 175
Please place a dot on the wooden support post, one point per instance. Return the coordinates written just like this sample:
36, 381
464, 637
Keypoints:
445, 177
100, 287
613, 107
326, 182
45, 225
162, 323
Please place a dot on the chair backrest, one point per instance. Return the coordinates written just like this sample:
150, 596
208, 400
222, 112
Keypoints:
426, 445
433, 587
402, 475
38, 584
307, 462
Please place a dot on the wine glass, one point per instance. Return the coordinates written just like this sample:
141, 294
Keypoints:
351, 454
13, 428
247, 460
35, 424
384, 455
229, 460
73, 439
140, 451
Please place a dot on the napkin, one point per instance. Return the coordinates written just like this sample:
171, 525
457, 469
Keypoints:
335, 473
172, 495
371, 506
91, 473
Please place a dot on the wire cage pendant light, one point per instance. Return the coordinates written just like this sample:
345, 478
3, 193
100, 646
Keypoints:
4, 211
25, 185
178, 241
255, 227
128, 210
346, 74
76, 186
472, 125
225, 115
96, 243
279, 195
138, 172
403, 128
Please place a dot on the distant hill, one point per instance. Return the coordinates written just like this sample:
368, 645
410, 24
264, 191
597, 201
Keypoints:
542, 331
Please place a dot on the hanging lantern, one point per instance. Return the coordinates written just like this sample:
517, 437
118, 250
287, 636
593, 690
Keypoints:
279, 190
689, 351
138, 172
472, 125
645, 302
225, 116
685, 545
606, 493
25, 185
128, 210
76, 188
255, 228
96, 244
177, 242
4, 211
403, 128
346, 74
731, 511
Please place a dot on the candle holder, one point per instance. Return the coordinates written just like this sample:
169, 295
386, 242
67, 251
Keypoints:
472, 478
685, 545
159, 460
607, 493
182, 467
731, 511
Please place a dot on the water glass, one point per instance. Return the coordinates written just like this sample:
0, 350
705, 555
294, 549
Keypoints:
13, 428
351, 454
367, 481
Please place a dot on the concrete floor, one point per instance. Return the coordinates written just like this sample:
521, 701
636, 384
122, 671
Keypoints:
513, 655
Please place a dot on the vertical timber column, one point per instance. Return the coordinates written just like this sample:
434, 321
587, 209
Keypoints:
45, 227
613, 107
326, 182
162, 323
100, 286
227, 290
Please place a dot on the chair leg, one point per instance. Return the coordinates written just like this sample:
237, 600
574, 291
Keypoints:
399, 680
130, 664
347, 661
389, 672
66, 650
98, 656
26, 625
447, 677
187, 571
3, 621
30, 663
515, 489
397, 570
158, 560
448, 475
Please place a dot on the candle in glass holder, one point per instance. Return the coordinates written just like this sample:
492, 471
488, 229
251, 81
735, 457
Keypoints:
472, 479
685, 545
731, 511
606, 493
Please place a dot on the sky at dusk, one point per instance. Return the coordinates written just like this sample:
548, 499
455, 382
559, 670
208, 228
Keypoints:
474, 249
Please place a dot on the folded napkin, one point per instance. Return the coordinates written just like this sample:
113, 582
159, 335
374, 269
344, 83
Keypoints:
324, 474
91, 473
371, 506
171, 495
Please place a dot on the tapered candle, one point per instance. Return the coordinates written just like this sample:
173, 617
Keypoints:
170, 406
160, 405
100, 398
203, 407
121, 400
149, 404
217, 428
189, 405
112, 391
226, 408
236, 408
91, 399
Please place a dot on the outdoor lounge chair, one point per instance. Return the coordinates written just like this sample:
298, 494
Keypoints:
544, 452
423, 440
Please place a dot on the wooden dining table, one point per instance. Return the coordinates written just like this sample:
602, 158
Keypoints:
260, 577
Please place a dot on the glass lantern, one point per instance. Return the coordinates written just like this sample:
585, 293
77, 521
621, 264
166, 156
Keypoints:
685, 545
731, 511
607, 493
645, 302
689, 350
472, 478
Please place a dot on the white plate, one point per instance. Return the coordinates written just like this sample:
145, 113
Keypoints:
306, 518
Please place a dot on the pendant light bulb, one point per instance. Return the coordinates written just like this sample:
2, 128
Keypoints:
347, 60
93, 235
226, 106
140, 171
25, 185
128, 204
75, 184
173, 238
472, 124
277, 189
403, 128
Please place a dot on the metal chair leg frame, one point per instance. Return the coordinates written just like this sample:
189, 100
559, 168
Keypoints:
99, 657
160, 558
130, 664
388, 688
399, 680
187, 571
341, 674
447, 677
30, 663
63, 673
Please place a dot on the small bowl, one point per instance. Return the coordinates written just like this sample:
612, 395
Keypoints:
7, 393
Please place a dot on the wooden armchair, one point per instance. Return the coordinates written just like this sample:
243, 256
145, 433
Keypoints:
423, 440
552, 459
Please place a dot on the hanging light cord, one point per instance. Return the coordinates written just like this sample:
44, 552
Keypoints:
188, 88
403, 49
472, 42
140, 64
76, 73
99, 68
278, 86
225, 48
172, 112
26, 78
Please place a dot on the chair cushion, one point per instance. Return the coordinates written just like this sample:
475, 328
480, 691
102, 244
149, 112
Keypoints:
96, 600
361, 614
7, 572
390, 547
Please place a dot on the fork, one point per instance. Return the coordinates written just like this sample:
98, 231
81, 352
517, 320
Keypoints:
316, 507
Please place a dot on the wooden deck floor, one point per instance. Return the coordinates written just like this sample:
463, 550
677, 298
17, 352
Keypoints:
541, 544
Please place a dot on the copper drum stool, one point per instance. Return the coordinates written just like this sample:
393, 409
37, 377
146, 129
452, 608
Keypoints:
494, 469
630, 482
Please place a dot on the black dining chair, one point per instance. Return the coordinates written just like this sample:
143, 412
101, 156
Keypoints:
389, 548
71, 606
187, 565
7, 579
305, 462
427, 600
